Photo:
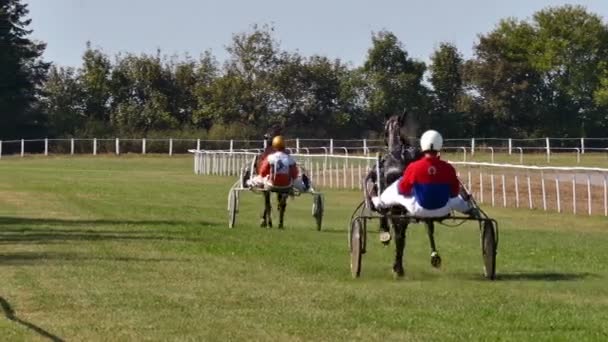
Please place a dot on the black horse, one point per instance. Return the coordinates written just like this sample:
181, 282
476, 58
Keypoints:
398, 156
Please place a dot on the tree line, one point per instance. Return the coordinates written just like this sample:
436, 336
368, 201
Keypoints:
542, 76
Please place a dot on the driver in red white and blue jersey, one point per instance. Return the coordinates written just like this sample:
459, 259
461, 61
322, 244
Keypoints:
429, 186
431, 181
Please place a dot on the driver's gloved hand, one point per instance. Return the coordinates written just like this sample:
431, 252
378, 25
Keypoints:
464, 194
306, 182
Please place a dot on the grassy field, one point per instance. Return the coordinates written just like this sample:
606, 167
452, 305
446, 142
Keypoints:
132, 248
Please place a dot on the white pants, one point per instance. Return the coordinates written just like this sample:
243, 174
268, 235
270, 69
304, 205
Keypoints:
264, 182
391, 197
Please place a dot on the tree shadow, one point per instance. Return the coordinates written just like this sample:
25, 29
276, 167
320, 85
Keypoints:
9, 313
5, 220
31, 258
43, 231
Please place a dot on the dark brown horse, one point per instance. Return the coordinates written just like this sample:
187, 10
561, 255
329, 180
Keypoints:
398, 156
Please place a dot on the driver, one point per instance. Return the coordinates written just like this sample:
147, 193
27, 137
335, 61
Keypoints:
429, 186
279, 169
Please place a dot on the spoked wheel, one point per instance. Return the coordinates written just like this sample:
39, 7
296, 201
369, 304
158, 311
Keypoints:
357, 233
232, 208
488, 248
317, 209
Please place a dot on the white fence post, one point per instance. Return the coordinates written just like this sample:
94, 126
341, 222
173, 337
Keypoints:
510, 146
472, 146
298, 145
22, 147
331, 146
481, 186
529, 193
542, 184
143, 146
72, 146
548, 147
492, 187
589, 194
198, 144
559, 205
365, 147
46, 146
605, 195
504, 192
94, 146
0, 149
171, 147
583, 145
117, 146
574, 194
516, 192
231, 145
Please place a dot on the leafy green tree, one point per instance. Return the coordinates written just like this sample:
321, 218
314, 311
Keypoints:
543, 76
446, 78
570, 46
22, 72
502, 79
394, 80
94, 79
140, 86
244, 92
62, 102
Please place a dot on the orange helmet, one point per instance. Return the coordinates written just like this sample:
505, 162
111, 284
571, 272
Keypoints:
278, 143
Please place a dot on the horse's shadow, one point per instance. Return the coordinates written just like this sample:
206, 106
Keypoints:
534, 276
544, 276
10, 314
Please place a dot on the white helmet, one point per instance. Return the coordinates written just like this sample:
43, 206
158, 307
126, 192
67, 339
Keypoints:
431, 140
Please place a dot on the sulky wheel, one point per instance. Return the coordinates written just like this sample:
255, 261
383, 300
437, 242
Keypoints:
356, 246
232, 208
318, 209
488, 249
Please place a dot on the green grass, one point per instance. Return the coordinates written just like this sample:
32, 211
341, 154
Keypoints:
132, 248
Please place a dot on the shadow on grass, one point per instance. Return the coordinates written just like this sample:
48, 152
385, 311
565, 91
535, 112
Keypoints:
30, 258
531, 276
544, 276
4, 220
45, 231
10, 315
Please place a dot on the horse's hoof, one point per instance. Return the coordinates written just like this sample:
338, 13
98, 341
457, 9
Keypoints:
398, 271
435, 260
263, 224
385, 238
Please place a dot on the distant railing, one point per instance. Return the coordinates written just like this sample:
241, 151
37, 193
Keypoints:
172, 146
562, 189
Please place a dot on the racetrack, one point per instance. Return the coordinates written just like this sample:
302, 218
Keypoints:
132, 248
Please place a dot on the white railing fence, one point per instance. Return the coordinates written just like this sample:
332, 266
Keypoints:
467, 147
577, 190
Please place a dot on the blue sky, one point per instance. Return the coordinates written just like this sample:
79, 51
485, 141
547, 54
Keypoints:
331, 28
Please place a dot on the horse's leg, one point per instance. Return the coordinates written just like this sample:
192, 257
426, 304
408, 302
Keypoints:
435, 258
282, 200
385, 231
265, 220
400, 229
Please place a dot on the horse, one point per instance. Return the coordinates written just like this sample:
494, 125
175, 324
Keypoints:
266, 216
398, 156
